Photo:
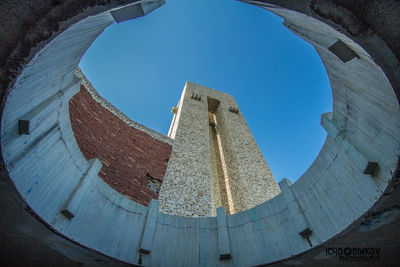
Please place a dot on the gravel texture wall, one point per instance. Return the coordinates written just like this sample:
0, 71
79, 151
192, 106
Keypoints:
215, 167
338, 202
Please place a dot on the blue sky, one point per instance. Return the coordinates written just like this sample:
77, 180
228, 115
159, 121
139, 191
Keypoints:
277, 79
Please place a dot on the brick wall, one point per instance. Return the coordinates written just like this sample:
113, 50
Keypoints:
132, 160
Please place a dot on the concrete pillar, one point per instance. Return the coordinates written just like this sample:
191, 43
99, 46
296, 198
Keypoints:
224, 248
72, 89
300, 222
78, 195
150, 227
352, 152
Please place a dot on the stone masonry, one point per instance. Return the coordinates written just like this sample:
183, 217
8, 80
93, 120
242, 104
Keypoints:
215, 160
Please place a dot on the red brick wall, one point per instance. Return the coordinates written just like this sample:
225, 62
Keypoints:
129, 156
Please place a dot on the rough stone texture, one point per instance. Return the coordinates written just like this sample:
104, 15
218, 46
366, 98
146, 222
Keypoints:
219, 190
215, 159
344, 207
186, 189
132, 159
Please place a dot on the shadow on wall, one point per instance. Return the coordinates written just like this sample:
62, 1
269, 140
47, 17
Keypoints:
51, 174
133, 157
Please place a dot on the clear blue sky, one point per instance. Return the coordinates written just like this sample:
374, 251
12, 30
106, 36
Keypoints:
277, 79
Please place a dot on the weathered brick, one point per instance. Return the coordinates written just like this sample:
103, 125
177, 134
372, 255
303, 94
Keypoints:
128, 154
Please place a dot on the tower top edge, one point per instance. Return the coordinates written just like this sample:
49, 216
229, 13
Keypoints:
195, 87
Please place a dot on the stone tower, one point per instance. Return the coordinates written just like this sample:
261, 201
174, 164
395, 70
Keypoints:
215, 159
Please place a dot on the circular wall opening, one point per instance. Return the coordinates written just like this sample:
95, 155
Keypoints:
347, 179
277, 78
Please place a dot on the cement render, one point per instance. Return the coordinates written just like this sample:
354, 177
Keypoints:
333, 197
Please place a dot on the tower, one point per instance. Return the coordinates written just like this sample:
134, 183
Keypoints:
215, 159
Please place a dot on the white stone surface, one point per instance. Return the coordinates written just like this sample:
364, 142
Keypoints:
209, 168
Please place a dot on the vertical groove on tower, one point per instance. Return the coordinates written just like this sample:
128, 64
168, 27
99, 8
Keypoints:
220, 195
215, 159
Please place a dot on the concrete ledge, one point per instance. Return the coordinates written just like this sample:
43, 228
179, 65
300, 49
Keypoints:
135, 10
32, 120
224, 248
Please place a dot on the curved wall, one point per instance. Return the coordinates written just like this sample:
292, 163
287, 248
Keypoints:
134, 162
51, 174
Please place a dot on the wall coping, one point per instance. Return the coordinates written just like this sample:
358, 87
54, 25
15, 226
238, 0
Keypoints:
110, 107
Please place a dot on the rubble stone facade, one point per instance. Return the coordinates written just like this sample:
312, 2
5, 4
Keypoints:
215, 160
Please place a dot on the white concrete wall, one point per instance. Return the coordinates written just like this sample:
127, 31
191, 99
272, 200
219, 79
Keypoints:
46, 165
